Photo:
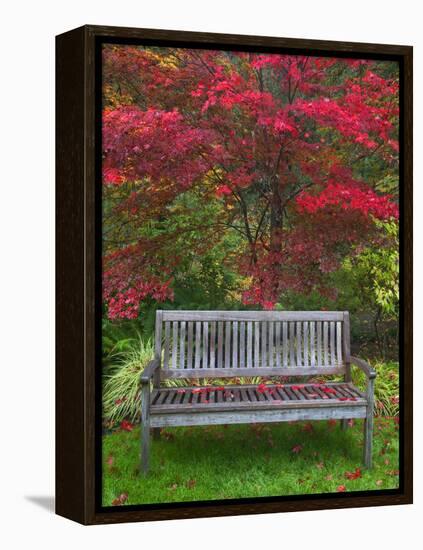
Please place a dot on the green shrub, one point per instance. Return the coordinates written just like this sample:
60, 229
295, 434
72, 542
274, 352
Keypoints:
386, 387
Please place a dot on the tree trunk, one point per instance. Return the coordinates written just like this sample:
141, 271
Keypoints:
276, 232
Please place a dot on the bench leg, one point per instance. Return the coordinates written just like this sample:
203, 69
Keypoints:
156, 433
368, 441
145, 447
145, 429
344, 423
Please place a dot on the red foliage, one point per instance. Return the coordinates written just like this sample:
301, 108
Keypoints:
183, 117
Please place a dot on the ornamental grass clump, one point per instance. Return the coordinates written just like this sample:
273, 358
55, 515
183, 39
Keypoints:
121, 384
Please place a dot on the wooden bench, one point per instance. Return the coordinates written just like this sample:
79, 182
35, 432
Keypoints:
228, 344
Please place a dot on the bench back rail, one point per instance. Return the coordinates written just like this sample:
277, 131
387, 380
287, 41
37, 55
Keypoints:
195, 344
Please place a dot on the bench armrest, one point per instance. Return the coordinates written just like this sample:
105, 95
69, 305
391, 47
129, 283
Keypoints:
149, 370
365, 367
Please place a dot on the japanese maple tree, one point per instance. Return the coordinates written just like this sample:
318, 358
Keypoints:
289, 150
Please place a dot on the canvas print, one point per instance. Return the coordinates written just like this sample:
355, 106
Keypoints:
250, 274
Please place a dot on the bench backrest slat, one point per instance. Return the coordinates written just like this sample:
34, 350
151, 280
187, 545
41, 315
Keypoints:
239, 343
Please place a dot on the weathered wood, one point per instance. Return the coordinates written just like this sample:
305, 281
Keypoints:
305, 343
273, 414
158, 346
249, 344
244, 371
228, 345
319, 343
299, 344
150, 370
252, 344
325, 343
292, 344
212, 344
145, 428
264, 344
339, 343
346, 346
182, 345
195, 315
278, 344
241, 344
197, 359
285, 344
312, 345
368, 425
332, 343
256, 344
235, 344
166, 345
190, 345
174, 344
205, 345
219, 345
271, 344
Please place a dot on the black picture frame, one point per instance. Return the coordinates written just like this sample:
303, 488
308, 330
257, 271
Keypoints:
78, 257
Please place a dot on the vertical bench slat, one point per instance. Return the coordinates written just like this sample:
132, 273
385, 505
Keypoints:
339, 343
174, 344
285, 343
312, 345
292, 343
228, 328
249, 344
305, 344
220, 345
166, 345
242, 344
235, 345
325, 343
256, 344
332, 343
299, 342
278, 343
205, 344
197, 344
264, 344
212, 344
319, 344
271, 345
190, 345
182, 345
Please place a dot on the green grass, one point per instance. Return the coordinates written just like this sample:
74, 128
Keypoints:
224, 462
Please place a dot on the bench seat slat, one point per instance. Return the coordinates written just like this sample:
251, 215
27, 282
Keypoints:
233, 397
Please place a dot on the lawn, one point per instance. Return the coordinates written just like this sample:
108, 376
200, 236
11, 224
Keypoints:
242, 461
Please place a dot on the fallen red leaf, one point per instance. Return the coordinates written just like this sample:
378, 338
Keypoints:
110, 460
121, 499
297, 449
353, 475
127, 426
341, 489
